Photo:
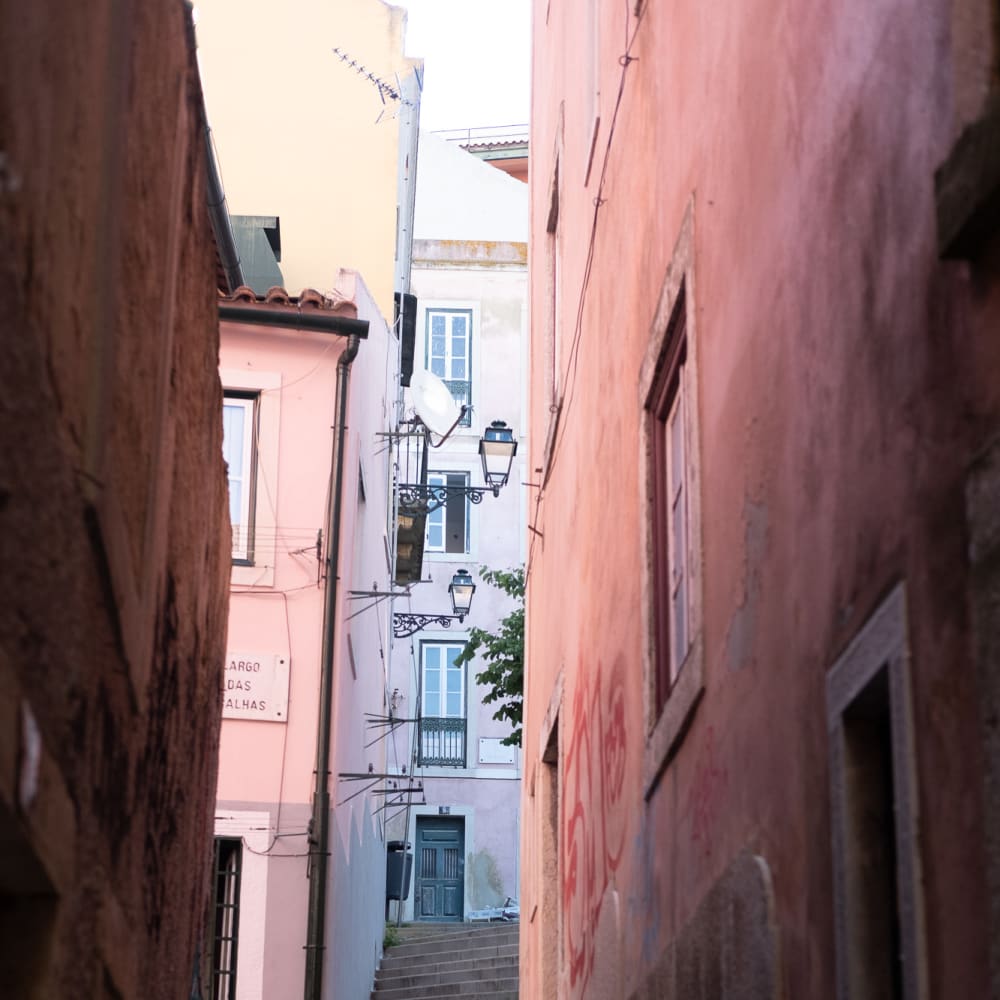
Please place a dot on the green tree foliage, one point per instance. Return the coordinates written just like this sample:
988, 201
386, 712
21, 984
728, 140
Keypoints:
503, 652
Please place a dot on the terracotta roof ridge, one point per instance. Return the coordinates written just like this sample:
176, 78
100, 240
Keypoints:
278, 295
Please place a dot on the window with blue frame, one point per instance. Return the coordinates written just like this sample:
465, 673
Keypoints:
442, 728
448, 353
448, 526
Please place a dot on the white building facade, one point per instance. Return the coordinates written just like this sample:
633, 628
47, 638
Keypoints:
470, 279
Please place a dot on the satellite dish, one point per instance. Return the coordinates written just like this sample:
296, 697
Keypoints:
434, 403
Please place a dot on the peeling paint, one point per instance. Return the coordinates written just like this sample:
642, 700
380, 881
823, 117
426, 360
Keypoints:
485, 886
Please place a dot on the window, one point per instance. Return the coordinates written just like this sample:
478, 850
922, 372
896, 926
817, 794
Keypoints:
449, 353
448, 525
553, 325
592, 56
226, 916
239, 435
667, 414
251, 420
671, 527
878, 907
442, 716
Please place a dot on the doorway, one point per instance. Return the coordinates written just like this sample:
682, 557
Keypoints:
440, 878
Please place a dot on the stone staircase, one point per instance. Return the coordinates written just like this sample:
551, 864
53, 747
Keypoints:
450, 960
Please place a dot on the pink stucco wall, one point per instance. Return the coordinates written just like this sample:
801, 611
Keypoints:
846, 379
267, 768
271, 618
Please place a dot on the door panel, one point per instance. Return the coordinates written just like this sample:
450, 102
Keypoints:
441, 872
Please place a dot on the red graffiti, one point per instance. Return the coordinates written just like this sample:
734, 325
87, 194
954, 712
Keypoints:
594, 817
709, 785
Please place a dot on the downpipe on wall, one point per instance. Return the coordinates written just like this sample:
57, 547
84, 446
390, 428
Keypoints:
319, 839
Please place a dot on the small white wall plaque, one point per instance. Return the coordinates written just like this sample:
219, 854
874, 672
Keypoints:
255, 686
492, 751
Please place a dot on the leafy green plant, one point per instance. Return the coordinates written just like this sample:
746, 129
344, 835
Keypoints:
390, 937
503, 651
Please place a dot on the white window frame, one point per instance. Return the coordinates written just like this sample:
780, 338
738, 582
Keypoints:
439, 517
267, 387
255, 829
440, 644
455, 308
456, 643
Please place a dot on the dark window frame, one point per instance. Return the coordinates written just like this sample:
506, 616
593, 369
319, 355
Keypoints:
250, 395
666, 390
227, 873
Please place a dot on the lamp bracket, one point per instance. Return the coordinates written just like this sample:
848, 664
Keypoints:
428, 499
405, 623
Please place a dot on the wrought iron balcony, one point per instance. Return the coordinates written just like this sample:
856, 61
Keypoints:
441, 742
461, 392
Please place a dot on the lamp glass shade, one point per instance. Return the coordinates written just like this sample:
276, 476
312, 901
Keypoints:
461, 589
497, 449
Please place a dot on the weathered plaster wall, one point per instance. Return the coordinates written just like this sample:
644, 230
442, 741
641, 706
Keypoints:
459, 200
303, 136
113, 535
847, 380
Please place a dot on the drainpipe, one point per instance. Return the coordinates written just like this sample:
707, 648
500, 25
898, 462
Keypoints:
320, 824
218, 212
215, 197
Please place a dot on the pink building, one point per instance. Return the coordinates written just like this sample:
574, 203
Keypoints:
760, 751
306, 383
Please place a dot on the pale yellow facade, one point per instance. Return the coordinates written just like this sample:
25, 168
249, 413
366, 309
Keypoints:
302, 135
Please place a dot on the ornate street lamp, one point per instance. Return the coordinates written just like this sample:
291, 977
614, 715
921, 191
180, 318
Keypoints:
461, 588
497, 449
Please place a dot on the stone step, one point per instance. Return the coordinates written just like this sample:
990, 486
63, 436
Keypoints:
435, 961
473, 957
494, 988
429, 929
447, 972
445, 943
451, 951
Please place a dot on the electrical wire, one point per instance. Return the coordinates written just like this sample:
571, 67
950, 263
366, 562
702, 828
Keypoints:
566, 397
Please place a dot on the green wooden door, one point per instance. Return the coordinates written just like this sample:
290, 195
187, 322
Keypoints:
440, 886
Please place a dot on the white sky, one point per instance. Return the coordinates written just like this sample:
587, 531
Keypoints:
476, 60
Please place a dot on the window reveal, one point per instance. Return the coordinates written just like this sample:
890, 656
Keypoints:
667, 411
239, 439
449, 353
442, 715
226, 916
448, 526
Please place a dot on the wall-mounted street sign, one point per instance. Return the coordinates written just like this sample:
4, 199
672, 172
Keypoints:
255, 686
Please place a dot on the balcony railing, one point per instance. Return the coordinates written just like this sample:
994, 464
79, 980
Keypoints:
461, 392
441, 742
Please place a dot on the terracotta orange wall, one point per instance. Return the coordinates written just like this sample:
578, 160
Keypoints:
847, 377
113, 527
